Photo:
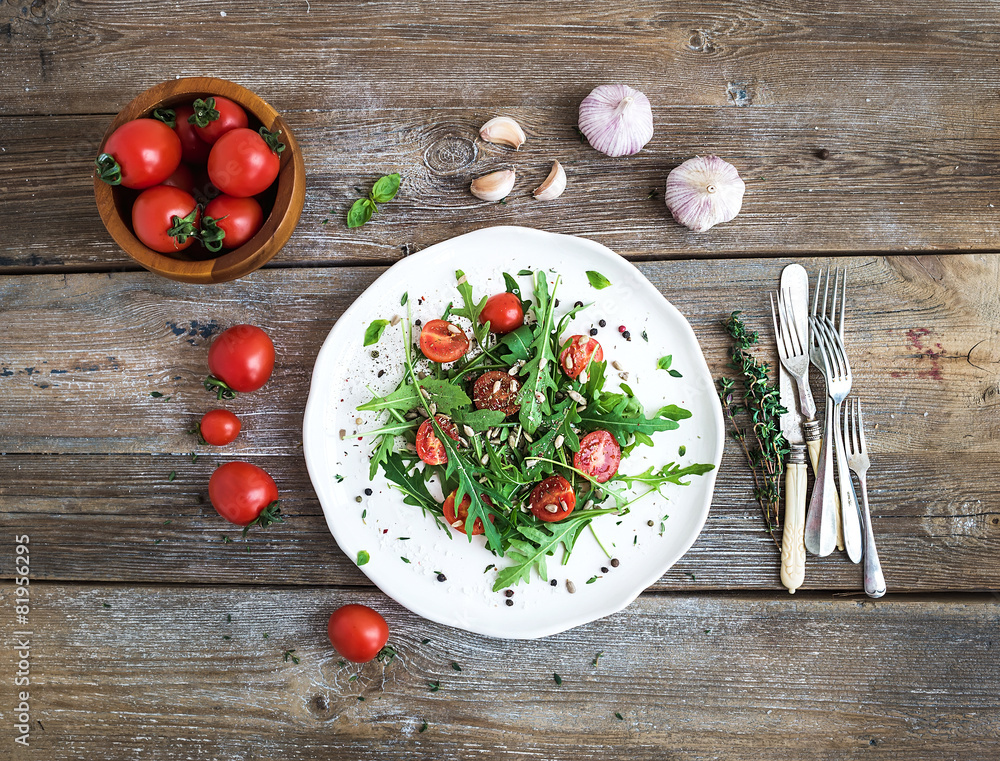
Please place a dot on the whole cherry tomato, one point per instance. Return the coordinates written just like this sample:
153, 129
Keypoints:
219, 427
182, 179
242, 163
578, 352
239, 219
504, 313
457, 518
599, 456
165, 218
357, 632
242, 357
244, 494
139, 154
214, 117
442, 341
194, 150
552, 499
429, 446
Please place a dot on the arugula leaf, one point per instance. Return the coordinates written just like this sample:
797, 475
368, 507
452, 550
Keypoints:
673, 412
374, 331
622, 423
471, 310
468, 473
540, 367
479, 420
512, 285
542, 541
411, 484
517, 344
385, 188
445, 395
668, 474
379, 454
597, 280
664, 362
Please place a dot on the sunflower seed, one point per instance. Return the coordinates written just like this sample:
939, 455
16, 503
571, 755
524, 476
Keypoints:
623, 376
512, 441
454, 330
570, 586
421, 375
468, 431
423, 393
581, 408
530, 463
496, 387
588, 504
559, 441
540, 397
513, 371
576, 396
552, 508
395, 320
411, 415
462, 280
434, 408
514, 386
569, 361
485, 460
616, 365
582, 377
422, 412
542, 362
528, 438
521, 363
463, 442
457, 524
564, 506
582, 342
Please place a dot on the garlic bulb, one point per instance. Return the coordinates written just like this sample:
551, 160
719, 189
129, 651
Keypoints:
494, 186
703, 192
553, 185
503, 130
616, 119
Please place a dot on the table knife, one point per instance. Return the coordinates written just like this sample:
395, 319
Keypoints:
795, 283
793, 546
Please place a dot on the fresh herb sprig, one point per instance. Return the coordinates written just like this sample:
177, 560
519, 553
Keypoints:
762, 442
383, 191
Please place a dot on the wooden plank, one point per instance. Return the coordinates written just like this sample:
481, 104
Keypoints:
178, 672
910, 125
97, 345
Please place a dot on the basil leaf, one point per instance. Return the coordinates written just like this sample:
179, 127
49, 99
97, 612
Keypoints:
597, 280
664, 363
363, 557
374, 331
361, 211
674, 374
386, 188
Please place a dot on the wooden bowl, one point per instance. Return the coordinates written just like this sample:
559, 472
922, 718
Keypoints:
288, 193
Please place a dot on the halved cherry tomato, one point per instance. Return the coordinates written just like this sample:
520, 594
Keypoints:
457, 519
599, 456
242, 164
182, 179
242, 357
143, 153
357, 632
219, 427
243, 494
577, 353
165, 218
552, 499
503, 312
194, 150
442, 341
214, 117
239, 218
489, 396
429, 446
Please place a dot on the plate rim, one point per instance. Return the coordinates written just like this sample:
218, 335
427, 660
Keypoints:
314, 402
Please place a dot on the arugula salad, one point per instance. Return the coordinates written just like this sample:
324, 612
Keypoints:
516, 425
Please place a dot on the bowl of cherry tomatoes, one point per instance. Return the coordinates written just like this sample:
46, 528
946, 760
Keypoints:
200, 180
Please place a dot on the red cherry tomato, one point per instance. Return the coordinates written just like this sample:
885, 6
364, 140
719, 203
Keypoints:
230, 117
504, 313
153, 218
552, 499
241, 492
219, 427
429, 446
239, 218
147, 152
442, 341
182, 179
489, 396
599, 456
578, 352
357, 632
241, 164
194, 150
242, 357
457, 519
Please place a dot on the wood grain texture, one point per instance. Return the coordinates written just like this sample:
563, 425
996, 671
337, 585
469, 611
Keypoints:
89, 454
902, 100
160, 673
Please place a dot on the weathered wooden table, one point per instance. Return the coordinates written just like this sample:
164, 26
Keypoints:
154, 639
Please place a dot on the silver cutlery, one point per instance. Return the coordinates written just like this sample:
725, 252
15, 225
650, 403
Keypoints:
859, 462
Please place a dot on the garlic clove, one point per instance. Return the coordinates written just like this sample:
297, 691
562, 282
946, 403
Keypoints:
616, 120
703, 192
503, 130
494, 186
553, 185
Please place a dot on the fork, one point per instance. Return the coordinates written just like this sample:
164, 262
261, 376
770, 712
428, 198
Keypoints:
838, 386
857, 459
821, 517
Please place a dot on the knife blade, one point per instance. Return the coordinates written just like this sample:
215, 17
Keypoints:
793, 548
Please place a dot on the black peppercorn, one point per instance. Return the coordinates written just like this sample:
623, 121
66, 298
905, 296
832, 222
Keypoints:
553, 583
604, 569
417, 323
823, 153
510, 603
602, 323
442, 577
626, 335
578, 304
509, 593
368, 492
593, 331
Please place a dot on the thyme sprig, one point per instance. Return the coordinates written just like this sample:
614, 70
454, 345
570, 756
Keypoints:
763, 443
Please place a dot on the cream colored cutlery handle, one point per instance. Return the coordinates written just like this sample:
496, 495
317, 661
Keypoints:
793, 548
815, 446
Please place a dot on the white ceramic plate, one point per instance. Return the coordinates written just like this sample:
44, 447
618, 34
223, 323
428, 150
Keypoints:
390, 530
